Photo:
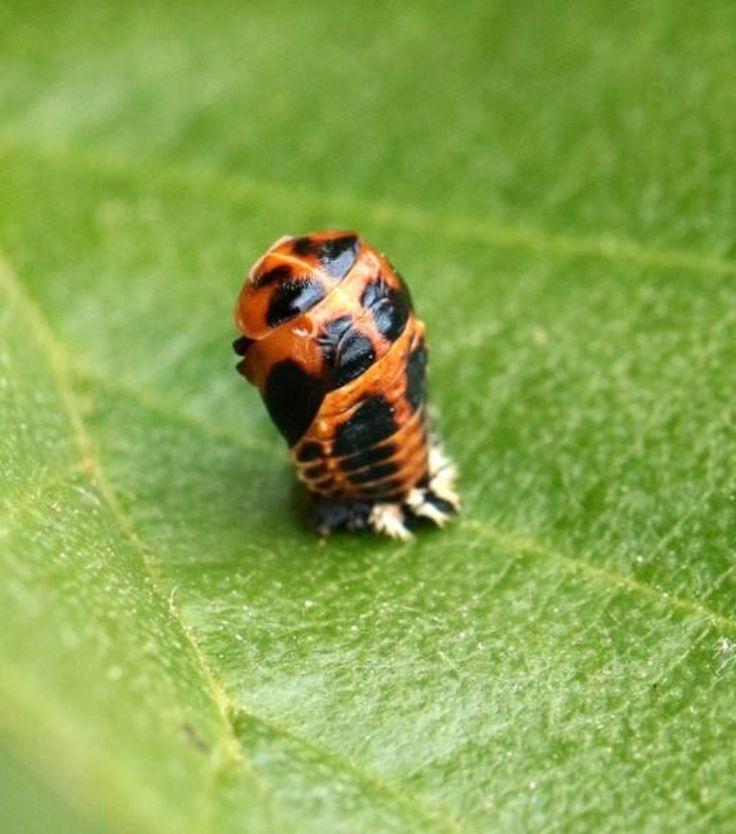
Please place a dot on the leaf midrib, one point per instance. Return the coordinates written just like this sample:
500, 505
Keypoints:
234, 754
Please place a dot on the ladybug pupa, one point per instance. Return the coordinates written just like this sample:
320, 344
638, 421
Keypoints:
330, 339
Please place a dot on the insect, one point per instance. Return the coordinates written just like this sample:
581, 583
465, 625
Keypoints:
330, 339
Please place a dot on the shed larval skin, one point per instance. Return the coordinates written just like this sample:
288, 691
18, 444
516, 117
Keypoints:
330, 339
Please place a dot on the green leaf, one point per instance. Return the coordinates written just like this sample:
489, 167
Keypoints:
178, 651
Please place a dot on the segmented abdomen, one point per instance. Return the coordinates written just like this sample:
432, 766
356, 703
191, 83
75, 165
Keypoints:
369, 440
331, 341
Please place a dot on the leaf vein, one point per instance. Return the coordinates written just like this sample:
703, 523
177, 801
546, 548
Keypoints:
600, 575
341, 763
238, 189
508, 538
63, 371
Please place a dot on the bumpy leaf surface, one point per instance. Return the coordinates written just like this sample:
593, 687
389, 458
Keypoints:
178, 652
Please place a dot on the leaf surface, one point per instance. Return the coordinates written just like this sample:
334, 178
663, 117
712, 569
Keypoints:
179, 652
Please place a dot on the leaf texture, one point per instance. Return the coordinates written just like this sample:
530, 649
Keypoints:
178, 651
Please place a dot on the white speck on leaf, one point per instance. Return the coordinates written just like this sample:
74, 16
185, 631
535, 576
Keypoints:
725, 652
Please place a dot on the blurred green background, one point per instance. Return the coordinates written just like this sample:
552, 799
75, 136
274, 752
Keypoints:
177, 651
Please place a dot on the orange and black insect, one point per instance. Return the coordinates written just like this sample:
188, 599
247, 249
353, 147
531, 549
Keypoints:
332, 343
